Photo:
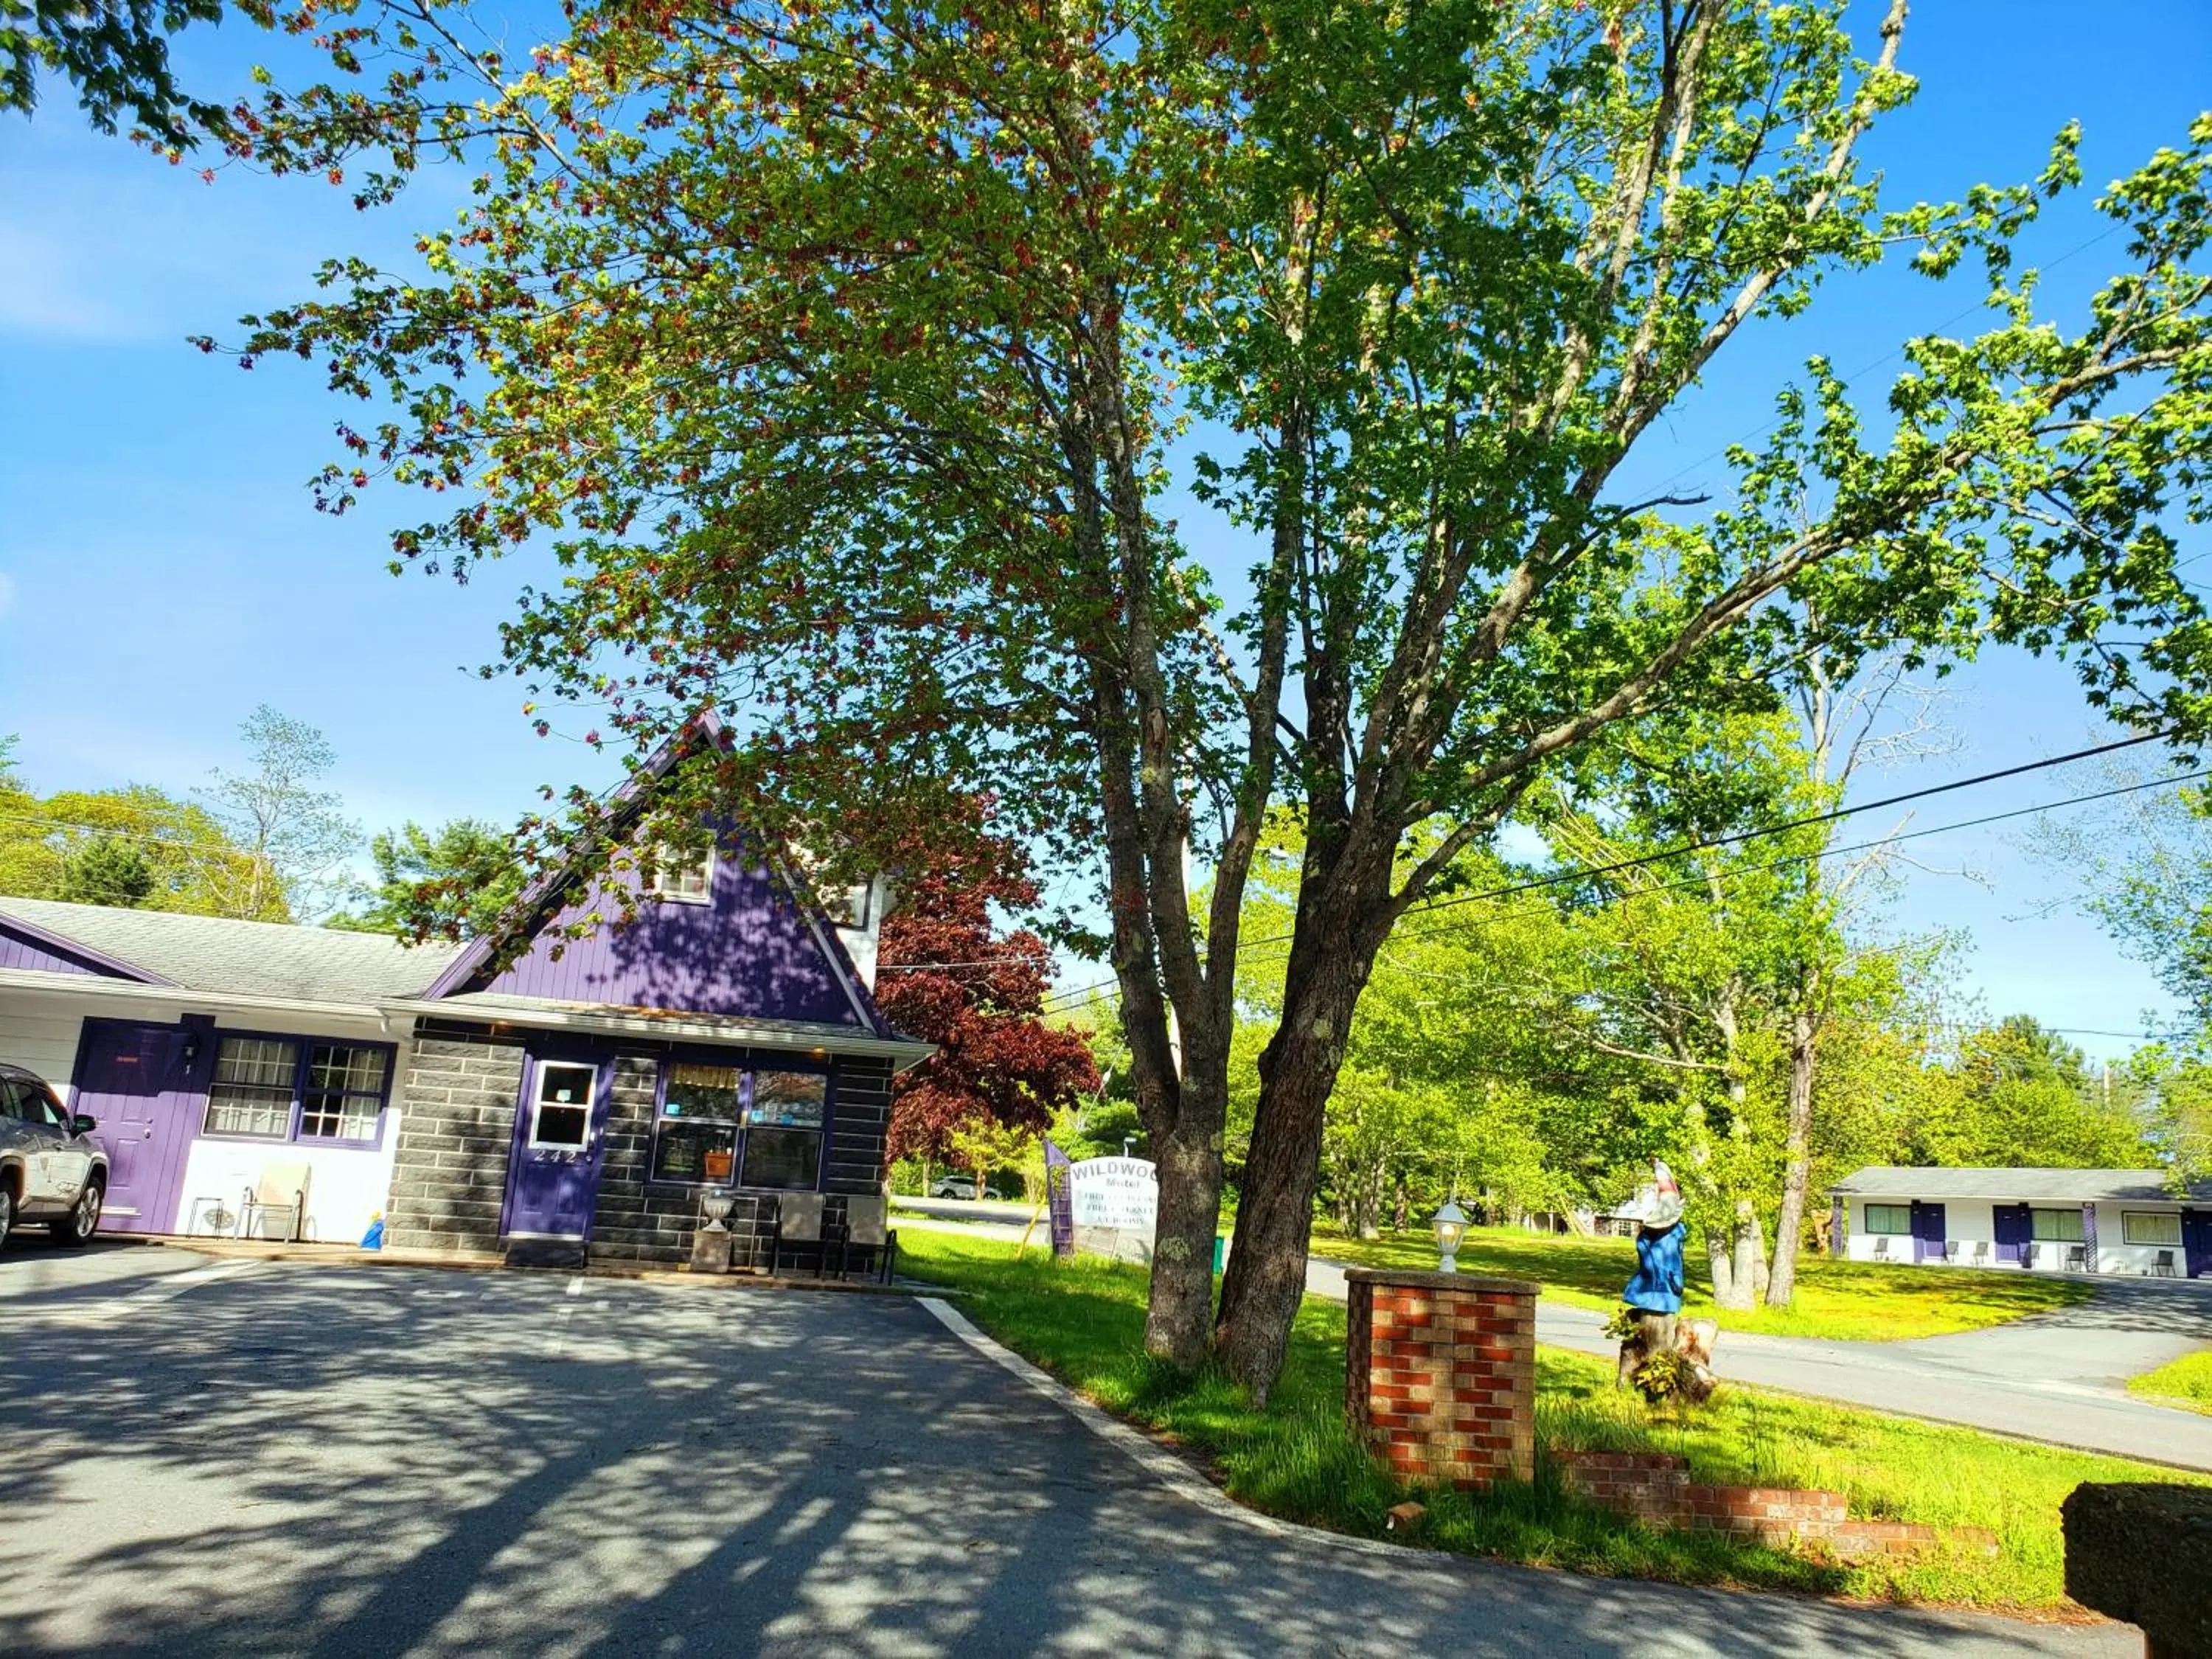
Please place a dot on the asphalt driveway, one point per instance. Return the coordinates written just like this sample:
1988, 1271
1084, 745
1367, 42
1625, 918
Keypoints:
241, 1456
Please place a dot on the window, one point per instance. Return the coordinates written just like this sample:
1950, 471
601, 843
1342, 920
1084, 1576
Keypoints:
289, 1088
681, 877
561, 1107
720, 1122
2150, 1227
700, 1112
345, 1092
251, 1095
1889, 1218
2056, 1227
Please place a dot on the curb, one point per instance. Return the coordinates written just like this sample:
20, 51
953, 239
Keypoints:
1164, 1466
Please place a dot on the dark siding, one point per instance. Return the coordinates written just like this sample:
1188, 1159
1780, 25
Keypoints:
456, 1126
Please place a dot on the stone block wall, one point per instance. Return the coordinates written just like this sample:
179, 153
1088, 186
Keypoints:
1440, 1374
456, 1132
456, 1126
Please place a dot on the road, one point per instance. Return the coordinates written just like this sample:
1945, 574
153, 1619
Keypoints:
272, 1458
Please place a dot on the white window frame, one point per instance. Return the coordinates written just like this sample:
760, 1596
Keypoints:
661, 872
2169, 1218
1872, 1232
537, 1103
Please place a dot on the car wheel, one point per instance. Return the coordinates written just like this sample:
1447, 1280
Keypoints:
77, 1227
6, 1211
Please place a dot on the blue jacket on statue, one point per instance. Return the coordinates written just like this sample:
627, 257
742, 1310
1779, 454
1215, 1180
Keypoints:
1657, 1286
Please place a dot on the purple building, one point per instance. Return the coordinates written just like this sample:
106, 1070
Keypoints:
531, 1094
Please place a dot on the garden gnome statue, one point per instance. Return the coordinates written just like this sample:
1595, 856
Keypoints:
1654, 1296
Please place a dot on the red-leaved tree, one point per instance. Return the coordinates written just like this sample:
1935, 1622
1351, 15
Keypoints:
945, 976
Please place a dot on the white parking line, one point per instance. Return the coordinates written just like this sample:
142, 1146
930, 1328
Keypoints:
109, 1310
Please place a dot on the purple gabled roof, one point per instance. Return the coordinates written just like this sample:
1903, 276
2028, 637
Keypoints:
759, 946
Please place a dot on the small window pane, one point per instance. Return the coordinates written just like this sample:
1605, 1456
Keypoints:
2150, 1227
1889, 1218
707, 1092
788, 1099
2057, 1226
675, 874
251, 1094
563, 1108
349, 1070
701, 1152
782, 1157
345, 1117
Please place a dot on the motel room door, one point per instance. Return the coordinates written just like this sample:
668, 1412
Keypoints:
1927, 1228
131, 1078
2196, 1242
560, 1141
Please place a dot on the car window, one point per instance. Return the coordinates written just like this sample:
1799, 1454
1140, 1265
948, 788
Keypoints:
9, 1105
39, 1102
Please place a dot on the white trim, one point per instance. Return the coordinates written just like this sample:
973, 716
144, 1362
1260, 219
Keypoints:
565, 1238
907, 1050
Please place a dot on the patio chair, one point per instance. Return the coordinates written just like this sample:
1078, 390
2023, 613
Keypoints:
797, 1222
2077, 1258
2162, 1265
867, 1227
1981, 1253
279, 1193
1881, 1247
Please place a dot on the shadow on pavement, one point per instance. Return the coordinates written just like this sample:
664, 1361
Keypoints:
385, 1463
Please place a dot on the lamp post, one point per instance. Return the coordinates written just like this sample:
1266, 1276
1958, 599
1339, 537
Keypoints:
1450, 1225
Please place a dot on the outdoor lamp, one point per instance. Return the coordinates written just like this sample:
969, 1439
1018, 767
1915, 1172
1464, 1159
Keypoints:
1451, 1226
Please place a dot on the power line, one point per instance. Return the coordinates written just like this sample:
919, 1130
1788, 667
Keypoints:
1562, 878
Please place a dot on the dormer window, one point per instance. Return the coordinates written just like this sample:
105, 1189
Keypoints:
677, 877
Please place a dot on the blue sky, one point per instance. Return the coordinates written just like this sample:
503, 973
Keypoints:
162, 570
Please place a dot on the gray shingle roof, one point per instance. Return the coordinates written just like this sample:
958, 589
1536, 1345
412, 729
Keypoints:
245, 958
2061, 1186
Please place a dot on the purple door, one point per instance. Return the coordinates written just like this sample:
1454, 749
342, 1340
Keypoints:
1927, 1229
2196, 1242
2015, 1227
560, 1139
131, 1078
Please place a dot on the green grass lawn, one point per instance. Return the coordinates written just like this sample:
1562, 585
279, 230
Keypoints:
1084, 1321
2186, 1381
1854, 1301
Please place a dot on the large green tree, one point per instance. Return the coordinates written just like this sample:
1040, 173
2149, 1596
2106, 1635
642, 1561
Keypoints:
454, 882
839, 354
134, 845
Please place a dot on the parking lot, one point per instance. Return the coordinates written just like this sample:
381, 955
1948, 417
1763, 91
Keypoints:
241, 1456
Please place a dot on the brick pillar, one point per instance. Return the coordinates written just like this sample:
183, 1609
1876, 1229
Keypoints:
1440, 1374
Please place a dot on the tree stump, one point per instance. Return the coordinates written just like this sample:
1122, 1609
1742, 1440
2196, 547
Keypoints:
1690, 1339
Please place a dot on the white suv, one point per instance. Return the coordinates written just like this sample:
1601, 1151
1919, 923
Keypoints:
51, 1168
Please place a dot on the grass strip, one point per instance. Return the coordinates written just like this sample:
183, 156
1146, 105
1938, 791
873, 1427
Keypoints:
2186, 1382
1846, 1301
1084, 1321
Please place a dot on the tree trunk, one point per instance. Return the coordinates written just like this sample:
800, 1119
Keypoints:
1797, 1171
1720, 1262
1750, 1252
1267, 1276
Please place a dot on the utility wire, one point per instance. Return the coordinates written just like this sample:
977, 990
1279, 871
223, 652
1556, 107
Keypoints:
1562, 878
